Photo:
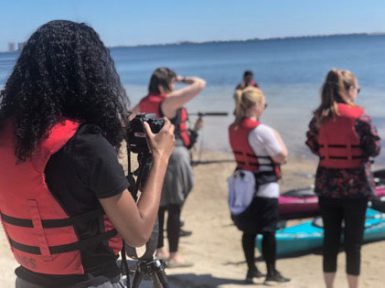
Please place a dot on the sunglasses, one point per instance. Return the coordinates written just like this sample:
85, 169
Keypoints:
358, 89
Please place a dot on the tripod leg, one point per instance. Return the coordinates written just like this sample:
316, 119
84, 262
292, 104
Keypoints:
162, 278
155, 280
138, 277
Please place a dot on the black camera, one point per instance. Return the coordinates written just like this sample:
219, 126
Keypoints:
136, 135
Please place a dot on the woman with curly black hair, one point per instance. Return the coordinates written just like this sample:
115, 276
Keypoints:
63, 193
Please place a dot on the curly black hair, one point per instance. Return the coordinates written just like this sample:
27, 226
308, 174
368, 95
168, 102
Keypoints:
63, 71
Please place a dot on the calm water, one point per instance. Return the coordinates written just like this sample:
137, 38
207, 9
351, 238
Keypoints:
290, 71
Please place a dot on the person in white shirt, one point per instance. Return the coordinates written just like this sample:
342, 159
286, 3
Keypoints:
259, 149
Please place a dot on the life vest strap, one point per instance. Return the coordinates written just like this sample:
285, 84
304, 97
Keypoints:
255, 164
257, 157
79, 245
338, 146
342, 157
259, 164
52, 223
251, 155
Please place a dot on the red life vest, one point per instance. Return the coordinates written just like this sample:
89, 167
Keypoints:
338, 139
181, 130
41, 234
243, 152
152, 104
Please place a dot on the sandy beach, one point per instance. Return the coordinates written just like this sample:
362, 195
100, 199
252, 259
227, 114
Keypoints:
215, 246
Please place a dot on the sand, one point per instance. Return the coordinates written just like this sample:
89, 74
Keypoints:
215, 246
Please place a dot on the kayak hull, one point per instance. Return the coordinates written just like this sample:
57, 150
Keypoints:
303, 203
307, 237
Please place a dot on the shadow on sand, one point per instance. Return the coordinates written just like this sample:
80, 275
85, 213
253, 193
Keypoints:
201, 281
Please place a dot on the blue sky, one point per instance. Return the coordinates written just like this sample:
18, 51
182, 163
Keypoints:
128, 22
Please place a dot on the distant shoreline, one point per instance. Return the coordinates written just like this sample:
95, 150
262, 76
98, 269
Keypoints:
181, 43
376, 34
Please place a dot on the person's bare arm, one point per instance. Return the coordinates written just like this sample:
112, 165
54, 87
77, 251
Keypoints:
135, 221
178, 98
282, 156
134, 112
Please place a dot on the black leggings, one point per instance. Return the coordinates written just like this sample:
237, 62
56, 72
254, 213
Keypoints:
268, 250
352, 212
173, 226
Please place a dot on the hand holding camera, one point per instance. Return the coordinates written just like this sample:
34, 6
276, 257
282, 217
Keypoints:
161, 143
148, 134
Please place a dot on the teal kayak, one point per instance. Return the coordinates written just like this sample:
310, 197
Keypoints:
307, 237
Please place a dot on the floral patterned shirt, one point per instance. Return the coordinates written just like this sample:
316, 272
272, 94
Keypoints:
347, 183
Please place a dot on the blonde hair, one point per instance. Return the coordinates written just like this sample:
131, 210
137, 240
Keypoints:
246, 98
334, 90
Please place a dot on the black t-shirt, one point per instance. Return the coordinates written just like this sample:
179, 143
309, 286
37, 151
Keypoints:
85, 169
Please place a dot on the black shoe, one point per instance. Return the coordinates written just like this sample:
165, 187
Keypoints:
276, 277
184, 233
255, 273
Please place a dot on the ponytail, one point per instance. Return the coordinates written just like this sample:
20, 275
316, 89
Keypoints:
237, 99
245, 99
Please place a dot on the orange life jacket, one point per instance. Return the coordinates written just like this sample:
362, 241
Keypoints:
243, 152
41, 234
338, 139
152, 104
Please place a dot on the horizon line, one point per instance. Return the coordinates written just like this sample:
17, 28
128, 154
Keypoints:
188, 42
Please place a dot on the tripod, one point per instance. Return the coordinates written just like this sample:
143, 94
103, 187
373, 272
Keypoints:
148, 266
